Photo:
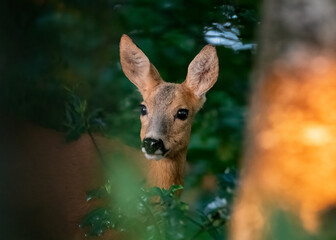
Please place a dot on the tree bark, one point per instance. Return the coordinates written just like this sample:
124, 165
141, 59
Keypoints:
290, 156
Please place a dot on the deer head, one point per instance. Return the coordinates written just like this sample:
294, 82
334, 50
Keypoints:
168, 109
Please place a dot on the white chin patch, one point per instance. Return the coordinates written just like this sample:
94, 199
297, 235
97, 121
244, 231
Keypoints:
153, 157
156, 156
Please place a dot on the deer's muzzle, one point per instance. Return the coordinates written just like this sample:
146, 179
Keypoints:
154, 149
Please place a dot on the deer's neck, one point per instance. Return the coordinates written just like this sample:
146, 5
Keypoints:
167, 171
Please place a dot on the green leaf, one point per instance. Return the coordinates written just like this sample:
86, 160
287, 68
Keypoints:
175, 188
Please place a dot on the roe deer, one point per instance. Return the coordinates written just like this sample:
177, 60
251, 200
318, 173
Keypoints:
43, 180
168, 109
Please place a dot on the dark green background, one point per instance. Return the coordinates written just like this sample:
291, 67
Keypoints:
48, 45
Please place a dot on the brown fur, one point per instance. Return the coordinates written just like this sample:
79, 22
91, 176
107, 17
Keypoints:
44, 180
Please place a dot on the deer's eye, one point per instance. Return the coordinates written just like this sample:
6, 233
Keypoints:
143, 109
182, 114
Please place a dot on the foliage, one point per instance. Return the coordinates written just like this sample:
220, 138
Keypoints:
78, 119
75, 43
156, 214
145, 213
46, 45
142, 213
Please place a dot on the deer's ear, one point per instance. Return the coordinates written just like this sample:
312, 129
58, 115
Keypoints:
202, 71
136, 66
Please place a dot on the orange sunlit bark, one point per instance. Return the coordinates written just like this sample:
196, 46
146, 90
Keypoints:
291, 156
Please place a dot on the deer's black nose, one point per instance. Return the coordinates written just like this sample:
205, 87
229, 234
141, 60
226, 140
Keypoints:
152, 145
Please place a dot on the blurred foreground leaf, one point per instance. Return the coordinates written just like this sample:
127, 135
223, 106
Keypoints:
153, 213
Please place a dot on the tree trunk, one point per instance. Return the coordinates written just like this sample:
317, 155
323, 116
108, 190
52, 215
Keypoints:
290, 159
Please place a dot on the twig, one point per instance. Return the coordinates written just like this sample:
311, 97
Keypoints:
204, 228
100, 155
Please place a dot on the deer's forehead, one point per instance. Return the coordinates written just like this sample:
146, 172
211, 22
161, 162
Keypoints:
166, 95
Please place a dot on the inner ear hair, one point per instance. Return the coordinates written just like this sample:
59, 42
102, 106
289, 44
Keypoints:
137, 66
134, 62
203, 71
